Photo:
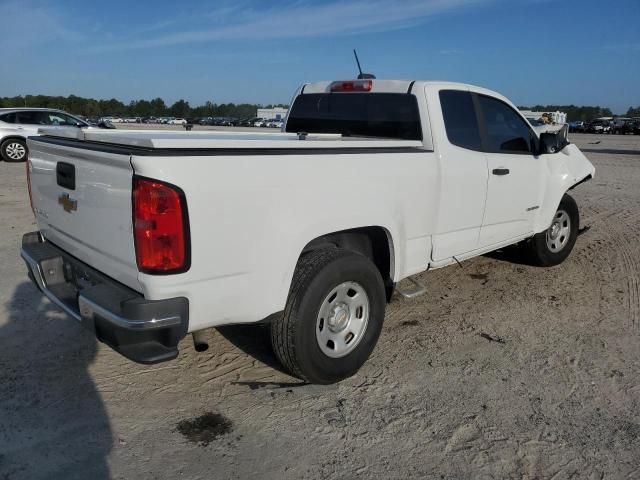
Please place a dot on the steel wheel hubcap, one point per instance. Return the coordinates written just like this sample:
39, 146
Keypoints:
559, 232
15, 151
342, 319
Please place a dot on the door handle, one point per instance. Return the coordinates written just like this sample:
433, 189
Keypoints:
500, 171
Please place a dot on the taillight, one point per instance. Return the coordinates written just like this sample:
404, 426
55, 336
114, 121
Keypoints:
160, 227
351, 86
28, 164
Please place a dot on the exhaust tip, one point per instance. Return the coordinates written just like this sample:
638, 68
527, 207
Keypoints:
200, 342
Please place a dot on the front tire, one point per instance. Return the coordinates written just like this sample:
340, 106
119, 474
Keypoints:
554, 245
333, 316
14, 150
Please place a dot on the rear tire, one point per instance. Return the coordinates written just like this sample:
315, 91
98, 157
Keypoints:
333, 316
14, 150
552, 246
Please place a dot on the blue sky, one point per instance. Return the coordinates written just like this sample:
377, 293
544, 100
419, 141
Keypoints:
585, 52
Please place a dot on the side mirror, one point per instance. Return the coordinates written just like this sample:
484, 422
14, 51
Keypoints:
553, 142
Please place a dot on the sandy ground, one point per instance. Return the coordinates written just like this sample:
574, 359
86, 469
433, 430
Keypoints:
501, 371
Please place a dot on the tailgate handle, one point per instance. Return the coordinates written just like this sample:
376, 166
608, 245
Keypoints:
66, 175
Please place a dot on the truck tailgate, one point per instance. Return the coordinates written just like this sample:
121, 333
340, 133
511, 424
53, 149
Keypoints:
82, 203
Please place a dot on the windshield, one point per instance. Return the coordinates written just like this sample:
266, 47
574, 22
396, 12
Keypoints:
383, 115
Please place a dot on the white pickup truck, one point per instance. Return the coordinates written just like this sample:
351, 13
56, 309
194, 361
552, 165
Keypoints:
145, 236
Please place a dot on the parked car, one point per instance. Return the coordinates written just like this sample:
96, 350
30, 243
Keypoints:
229, 121
260, 122
16, 124
577, 127
622, 126
177, 121
308, 233
248, 122
599, 126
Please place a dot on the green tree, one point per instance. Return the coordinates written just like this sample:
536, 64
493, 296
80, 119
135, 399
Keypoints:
158, 107
138, 108
180, 109
633, 112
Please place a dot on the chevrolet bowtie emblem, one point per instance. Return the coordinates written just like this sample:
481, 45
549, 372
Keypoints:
69, 204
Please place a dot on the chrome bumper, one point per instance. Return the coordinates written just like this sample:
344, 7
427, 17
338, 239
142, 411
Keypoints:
145, 331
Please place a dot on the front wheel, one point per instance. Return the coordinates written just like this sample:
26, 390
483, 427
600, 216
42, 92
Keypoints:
333, 316
14, 150
554, 245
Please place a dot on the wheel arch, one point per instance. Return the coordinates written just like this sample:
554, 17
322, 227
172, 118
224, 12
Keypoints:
567, 170
374, 242
12, 137
549, 208
585, 179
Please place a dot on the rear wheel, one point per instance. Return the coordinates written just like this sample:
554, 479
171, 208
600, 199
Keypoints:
333, 316
14, 150
552, 246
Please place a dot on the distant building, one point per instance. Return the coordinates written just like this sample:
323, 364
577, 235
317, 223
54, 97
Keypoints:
556, 117
269, 113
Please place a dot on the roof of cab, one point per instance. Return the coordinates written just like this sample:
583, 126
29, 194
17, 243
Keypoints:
386, 86
29, 109
402, 86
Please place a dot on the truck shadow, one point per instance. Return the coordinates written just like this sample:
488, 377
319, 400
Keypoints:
511, 254
53, 423
255, 341
517, 255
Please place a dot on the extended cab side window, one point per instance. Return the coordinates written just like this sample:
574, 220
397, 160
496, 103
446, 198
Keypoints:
460, 119
506, 131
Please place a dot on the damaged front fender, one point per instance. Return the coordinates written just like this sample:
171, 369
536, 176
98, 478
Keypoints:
566, 169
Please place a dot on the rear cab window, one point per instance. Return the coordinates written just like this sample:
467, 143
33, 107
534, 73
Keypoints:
381, 115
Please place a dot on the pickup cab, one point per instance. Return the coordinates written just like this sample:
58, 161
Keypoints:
146, 236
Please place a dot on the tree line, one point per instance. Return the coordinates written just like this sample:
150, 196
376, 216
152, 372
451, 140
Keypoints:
90, 107
633, 112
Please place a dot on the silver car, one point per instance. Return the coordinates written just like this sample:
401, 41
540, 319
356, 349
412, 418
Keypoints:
16, 124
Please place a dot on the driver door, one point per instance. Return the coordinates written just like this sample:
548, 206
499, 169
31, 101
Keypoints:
514, 186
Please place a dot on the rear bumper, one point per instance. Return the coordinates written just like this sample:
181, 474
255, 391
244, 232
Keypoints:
145, 331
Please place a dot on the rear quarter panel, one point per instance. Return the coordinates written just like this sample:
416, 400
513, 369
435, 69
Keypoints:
251, 216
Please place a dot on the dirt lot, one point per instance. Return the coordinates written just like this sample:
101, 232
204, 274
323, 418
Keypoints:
501, 371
